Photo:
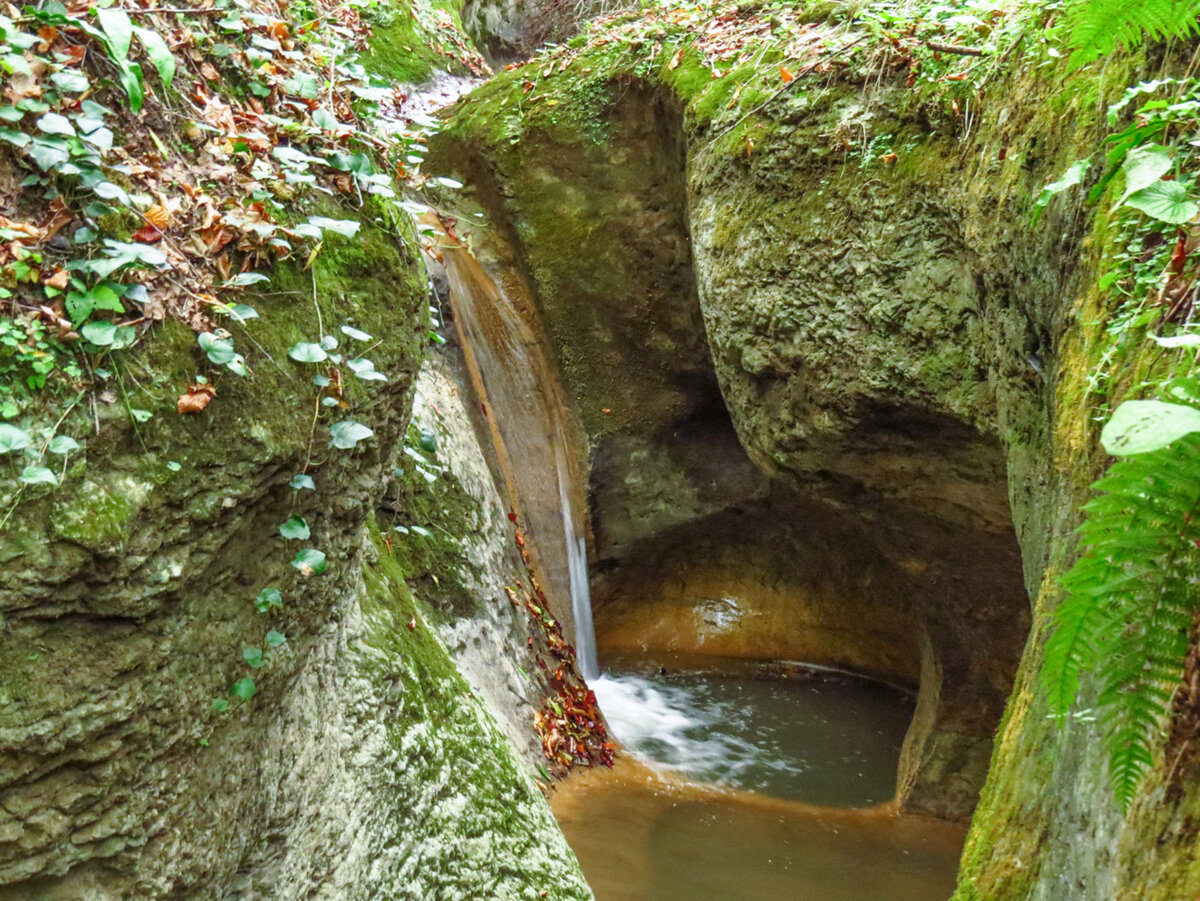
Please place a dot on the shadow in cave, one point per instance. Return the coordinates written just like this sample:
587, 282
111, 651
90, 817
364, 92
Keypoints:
696, 551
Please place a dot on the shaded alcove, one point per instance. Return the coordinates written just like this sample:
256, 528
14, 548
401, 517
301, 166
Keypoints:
696, 551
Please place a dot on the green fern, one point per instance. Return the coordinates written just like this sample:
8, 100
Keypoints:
1095, 28
1130, 601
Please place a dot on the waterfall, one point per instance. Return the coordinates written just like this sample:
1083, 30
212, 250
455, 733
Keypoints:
577, 571
530, 428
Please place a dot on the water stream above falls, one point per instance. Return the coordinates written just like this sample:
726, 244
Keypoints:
741, 782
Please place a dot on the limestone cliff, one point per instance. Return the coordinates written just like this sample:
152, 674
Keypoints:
224, 672
798, 260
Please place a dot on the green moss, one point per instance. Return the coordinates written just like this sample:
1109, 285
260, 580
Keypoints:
407, 45
437, 563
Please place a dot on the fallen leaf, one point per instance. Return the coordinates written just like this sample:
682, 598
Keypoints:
59, 279
147, 234
786, 74
196, 399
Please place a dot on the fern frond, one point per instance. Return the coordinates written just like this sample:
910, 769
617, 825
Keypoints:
1095, 28
1130, 604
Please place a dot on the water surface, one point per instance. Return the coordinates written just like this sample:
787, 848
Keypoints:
737, 784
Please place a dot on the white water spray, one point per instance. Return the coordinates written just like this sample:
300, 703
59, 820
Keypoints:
577, 568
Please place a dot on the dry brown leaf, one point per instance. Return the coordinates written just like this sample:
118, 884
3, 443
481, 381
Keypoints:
59, 279
197, 398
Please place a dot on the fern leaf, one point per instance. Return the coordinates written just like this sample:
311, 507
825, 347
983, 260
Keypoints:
1097, 27
1130, 604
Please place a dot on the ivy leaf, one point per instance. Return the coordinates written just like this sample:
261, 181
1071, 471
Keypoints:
295, 527
275, 639
268, 598
365, 369
1143, 167
55, 124
70, 81
428, 442
309, 561
243, 688
347, 228
62, 444
241, 312
13, 438
301, 481
218, 350
1141, 426
1177, 341
304, 352
347, 433
254, 657
38, 475
356, 334
102, 333
1073, 176
246, 278
1166, 201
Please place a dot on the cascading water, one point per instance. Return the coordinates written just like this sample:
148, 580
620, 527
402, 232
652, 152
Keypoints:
577, 571
531, 433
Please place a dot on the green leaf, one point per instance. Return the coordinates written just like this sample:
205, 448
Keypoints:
220, 705
268, 598
428, 442
254, 657
38, 475
295, 527
102, 333
130, 76
365, 369
62, 444
1167, 201
1143, 167
346, 227
309, 561
243, 688
1141, 426
174, 466
55, 124
17, 138
275, 639
140, 415
1073, 176
70, 81
301, 481
118, 29
246, 278
159, 54
356, 334
1177, 340
347, 433
13, 438
242, 312
305, 352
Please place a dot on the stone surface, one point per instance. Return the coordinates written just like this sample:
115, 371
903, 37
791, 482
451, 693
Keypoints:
364, 766
896, 342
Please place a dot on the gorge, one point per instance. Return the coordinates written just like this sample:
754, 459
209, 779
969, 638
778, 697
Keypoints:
517, 450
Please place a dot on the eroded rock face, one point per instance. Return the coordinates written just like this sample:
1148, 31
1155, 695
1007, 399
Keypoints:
837, 492
364, 766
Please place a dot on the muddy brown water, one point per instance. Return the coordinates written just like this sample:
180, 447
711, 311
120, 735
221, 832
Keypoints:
738, 785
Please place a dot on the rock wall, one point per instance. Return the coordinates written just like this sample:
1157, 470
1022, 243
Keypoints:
363, 766
895, 344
